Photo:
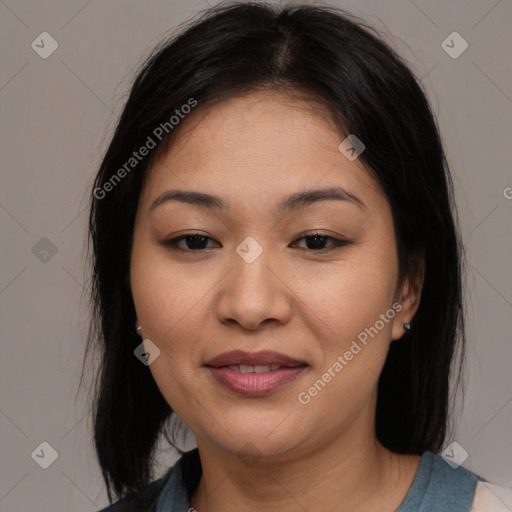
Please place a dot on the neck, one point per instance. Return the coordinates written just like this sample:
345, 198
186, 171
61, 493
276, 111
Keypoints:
352, 474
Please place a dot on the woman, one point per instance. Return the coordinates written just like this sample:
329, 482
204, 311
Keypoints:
277, 262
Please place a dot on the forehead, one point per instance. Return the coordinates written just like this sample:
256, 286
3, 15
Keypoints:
261, 144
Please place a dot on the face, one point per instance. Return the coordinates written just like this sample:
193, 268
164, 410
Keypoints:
314, 281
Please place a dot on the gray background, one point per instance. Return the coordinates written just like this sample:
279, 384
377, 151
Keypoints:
57, 114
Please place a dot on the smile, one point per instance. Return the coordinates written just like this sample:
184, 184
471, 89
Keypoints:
259, 368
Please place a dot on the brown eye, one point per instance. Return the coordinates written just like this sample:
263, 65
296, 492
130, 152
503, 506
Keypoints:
193, 242
316, 242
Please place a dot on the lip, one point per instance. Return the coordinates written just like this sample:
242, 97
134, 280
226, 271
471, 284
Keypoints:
263, 357
254, 384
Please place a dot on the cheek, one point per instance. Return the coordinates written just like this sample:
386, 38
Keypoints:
346, 304
168, 307
350, 297
166, 300
353, 339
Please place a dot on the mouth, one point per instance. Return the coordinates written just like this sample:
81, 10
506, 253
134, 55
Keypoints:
254, 374
256, 368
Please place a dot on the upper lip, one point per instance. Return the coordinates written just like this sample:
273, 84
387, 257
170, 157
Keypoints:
263, 357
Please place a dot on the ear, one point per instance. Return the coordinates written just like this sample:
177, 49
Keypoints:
408, 296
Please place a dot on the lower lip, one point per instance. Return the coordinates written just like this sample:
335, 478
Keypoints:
255, 384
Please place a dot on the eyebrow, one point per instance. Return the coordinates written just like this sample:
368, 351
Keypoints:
295, 201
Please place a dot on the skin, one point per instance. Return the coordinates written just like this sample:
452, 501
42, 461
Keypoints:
308, 303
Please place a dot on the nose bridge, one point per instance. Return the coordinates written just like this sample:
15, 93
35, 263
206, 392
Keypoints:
253, 281
253, 293
251, 264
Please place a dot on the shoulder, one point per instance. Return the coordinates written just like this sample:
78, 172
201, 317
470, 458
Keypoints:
492, 498
172, 488
485, 496
446, 474
143, 501
439, 485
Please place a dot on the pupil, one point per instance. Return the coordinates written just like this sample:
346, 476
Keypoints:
319, 242
196, 238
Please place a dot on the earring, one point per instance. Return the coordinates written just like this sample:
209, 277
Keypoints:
407, 327
138, 329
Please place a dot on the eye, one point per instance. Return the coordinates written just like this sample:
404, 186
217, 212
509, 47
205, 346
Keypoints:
196, 242
316, 242
193, 242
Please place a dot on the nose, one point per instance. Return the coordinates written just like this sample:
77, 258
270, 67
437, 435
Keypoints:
254, 293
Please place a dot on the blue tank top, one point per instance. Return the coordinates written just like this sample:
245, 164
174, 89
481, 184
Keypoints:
437, 487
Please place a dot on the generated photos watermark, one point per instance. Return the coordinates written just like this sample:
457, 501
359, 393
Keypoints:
304, 397
137, 156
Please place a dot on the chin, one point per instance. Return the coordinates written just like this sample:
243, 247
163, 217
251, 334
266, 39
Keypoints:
257, 438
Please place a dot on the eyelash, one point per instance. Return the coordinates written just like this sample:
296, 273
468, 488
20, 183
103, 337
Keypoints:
335, 242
